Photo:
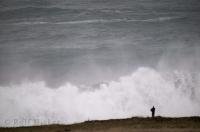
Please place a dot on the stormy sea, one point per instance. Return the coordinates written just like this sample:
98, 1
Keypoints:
68, 61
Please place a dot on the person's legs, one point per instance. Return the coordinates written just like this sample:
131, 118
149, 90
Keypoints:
153, 113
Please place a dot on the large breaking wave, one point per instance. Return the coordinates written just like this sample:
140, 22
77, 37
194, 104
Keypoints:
173, 94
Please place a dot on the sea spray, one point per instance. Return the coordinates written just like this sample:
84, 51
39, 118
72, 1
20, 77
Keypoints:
33, 103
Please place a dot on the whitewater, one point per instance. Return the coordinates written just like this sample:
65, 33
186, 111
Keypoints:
173, 95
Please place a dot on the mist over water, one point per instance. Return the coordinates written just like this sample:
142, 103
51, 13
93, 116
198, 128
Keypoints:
71, 61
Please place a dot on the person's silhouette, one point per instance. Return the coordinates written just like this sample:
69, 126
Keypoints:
153, 111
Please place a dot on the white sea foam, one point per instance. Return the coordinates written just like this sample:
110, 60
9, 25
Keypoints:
30, 23
93, 21
33, 103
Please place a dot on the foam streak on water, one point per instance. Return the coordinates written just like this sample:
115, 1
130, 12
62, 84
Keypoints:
159, 19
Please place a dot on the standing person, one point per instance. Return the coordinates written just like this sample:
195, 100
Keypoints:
153, 111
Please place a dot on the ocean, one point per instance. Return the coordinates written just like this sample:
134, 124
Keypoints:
68, 61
